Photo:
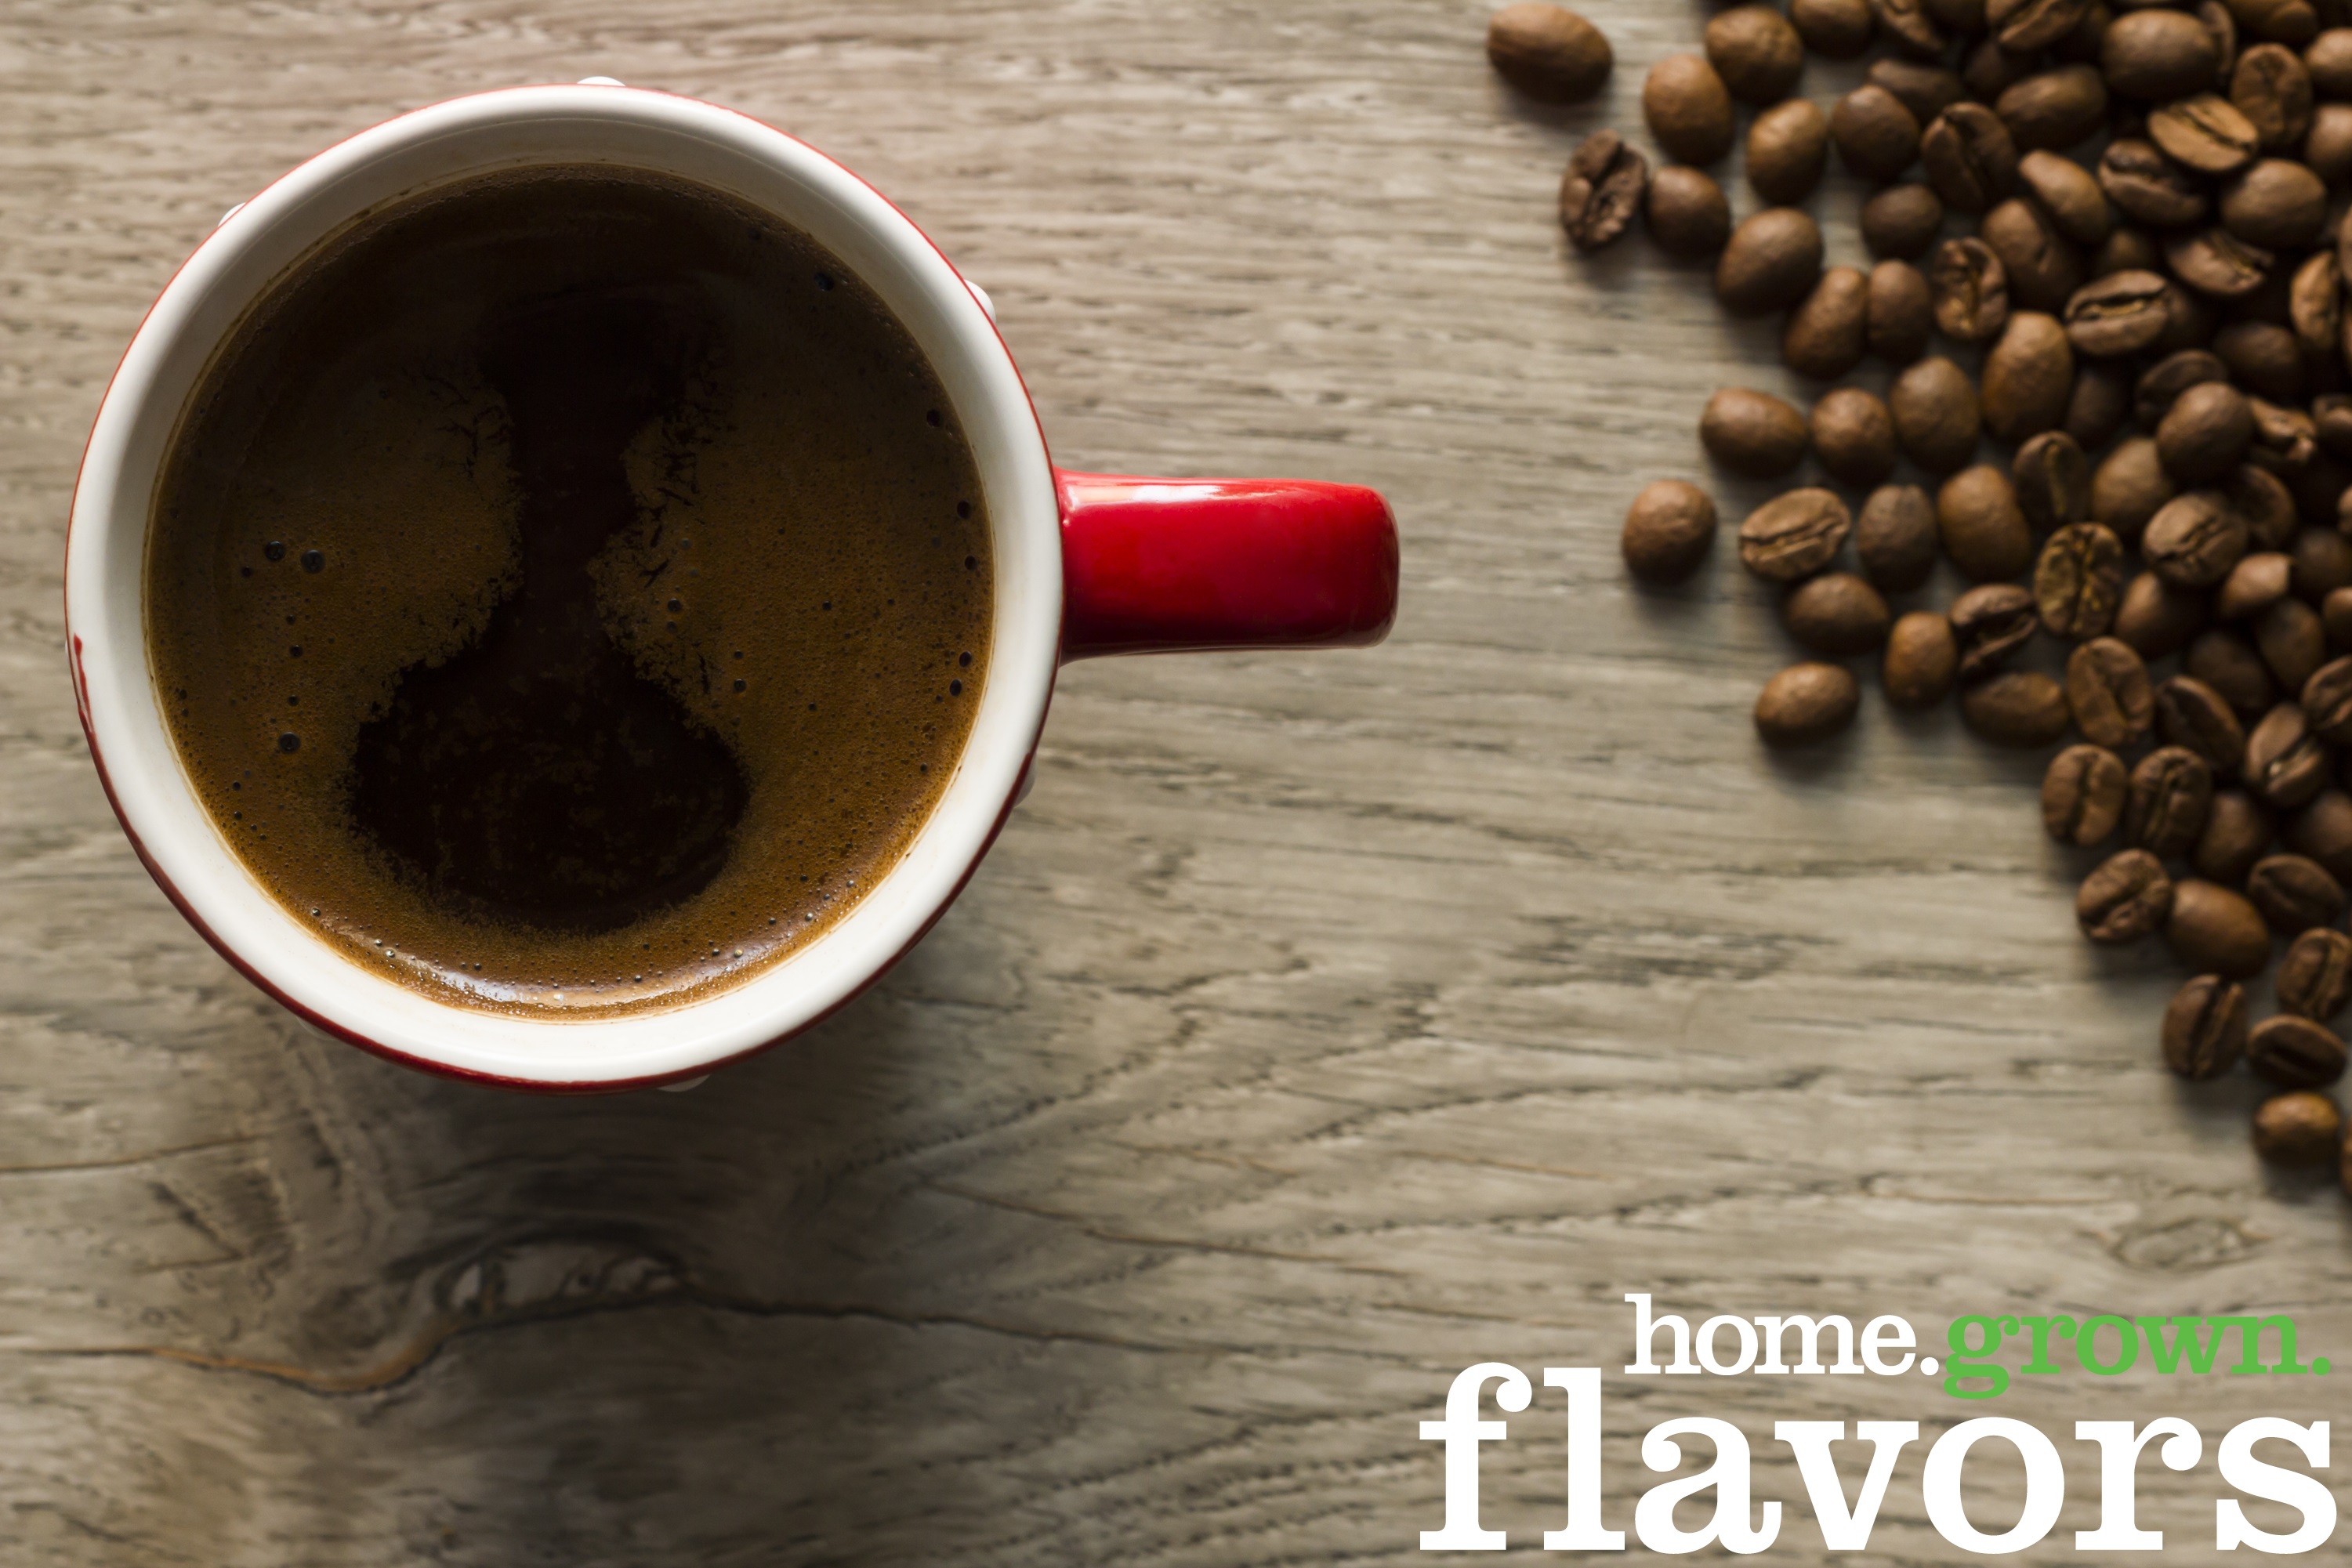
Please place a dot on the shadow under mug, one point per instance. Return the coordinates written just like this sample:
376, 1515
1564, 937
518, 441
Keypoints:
1086, 564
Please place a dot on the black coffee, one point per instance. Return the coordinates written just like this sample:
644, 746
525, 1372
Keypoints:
572, 590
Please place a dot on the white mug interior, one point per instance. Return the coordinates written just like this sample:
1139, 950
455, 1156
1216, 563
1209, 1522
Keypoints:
178, 839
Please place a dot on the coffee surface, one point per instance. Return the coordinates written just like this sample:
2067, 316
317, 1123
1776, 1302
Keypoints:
570, 591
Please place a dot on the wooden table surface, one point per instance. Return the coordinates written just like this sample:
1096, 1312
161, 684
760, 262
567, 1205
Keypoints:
1321, 1025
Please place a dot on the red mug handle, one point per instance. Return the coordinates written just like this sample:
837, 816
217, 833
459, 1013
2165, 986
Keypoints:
1163, 566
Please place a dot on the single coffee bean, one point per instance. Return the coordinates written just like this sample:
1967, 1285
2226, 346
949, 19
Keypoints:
1689, 214
2315, 977
2029, 377
2161, 385
2229, 663
2300, 1128
1922, 660
2327, 701
2328, 148
1970, 288
2323, 831
2194, 540
2315, 304
1669, 529
2122, 313
1601, 191
2109, 693
1902, 221
2295, 1053
2336, 612
2129, 488
1909, 26
1806, 703
2323, 563
2236, 837
1899, 312
1753, 433
1757, 53
1834, 29
1827, 334
2101, 404
1787, 149
2149, 187
2155, 56
1926, 90
1836, 615
2054, 109
2082, 795
2127, 898
2254, 585
2193, 716
2271, 87
1548, 52
1854, 434
2078, 582
2023, 708
2285, 440
1990, 625
2206, 134
2164, 808
2285, 765
1791, 536
2156, 618
2066, 191
2265, 505
1936, 416
2330, 60
2021, 26
2205, 1027
2216, 262
2293, 642
2215, 931
1894, 536
1983, 531
2054, 481
2275, 204
2205, 433
1689, 109
1772, 261
1969, 157
2264, 358
2043, 267
1877, 137
2295, 895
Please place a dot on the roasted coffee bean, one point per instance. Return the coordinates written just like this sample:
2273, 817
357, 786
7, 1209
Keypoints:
2078, 582
2161, 386
1910, 28
2156, 618
1827, 334
1894, 536
2054, 481
1936, 416
2328, 148
2335, 614
2315, 304
2191, 319
2194, 540
2029, 377
2043, 267
1836, 615
2205, 433
2254, 585
2023, 708
2218, 262
1806, 703
1548, 52
1902, 221
2286, 765
1926, 90
1689, 109
2323, 831
1899, 311
2300, 1128
2295, 1053
1970, 158
2331, 421
2205, 1027
2330, 60
2293, 22
2129, 488
2263, 358
1988, 70
2229, 663
2213, 930
2082, 795
2315, 977
2194, 716
2128, 896
1787, 149
1983, 531
1877, 137
1753, 433
2287, 440
2077, 207
1601, 191
2149, 188
2295, 895
1853, 435
2323, 563
2054, 109
1772, 261
2170, 793
1922, 660
2206, 134
1757, 53
1669, 529
1791, 536
2122, 313
1834, 29
2100, 405
2327, 701
2293, 641
2021, 26
1970, 288
2276, 205
2271, 87
1689, 214
1990, 625
2265, 505
2127, 250
2109, 693
2157, 56
2237, 835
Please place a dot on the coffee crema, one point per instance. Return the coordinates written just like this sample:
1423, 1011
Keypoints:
570, 591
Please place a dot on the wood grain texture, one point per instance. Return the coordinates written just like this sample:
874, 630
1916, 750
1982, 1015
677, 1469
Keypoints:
1322, 1024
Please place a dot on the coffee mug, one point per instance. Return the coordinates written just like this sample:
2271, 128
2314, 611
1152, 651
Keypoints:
1086, 564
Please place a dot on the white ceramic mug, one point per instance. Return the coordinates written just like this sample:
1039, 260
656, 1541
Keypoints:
1084, 564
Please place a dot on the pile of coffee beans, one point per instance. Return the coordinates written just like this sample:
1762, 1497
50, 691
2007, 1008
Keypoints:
2110, 251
